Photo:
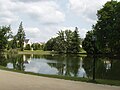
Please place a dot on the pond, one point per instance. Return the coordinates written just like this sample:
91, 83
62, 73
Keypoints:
66, 65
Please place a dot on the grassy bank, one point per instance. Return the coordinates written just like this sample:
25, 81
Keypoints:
98, 81
41, 52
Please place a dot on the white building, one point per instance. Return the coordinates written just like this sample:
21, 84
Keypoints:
27, 41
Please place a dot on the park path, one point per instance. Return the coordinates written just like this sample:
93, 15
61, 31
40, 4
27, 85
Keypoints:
17, 81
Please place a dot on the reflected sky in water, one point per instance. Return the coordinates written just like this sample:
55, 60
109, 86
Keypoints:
65, 65
44, 66
40, 66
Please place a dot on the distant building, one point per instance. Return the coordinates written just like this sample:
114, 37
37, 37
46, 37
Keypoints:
27, 41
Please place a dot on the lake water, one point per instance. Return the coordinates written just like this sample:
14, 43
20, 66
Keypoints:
66, 65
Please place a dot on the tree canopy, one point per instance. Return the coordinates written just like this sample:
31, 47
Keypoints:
4, 36
20, 37
66, 42
107, 29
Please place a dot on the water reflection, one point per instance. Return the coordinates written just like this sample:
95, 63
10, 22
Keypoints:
3, 60
106, 68
17, 62
67, 65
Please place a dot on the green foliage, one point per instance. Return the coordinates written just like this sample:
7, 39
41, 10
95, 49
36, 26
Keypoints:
68, 39
28, 47
106, 29
75, 41
20, 37
3, 60
37, 46
66, 42
4, 36
87, 43
50, 44
14, 43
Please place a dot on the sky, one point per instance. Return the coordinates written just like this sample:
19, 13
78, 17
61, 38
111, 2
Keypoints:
42, 19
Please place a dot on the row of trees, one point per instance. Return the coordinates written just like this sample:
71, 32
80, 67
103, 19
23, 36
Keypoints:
34, 46
66, 42
106, 30
17, 40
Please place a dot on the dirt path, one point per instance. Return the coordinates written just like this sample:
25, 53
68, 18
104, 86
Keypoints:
17, 81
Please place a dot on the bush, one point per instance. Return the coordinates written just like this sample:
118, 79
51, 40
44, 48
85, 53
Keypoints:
28, 47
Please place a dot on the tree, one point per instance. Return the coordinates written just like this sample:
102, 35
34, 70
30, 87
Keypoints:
75, 41
14, 43
60, 44
66, 42
4, 35
37, 46
117, 29
20, 37
68, 39
107, 29
28, 47
50, 44
106, 25
87, 42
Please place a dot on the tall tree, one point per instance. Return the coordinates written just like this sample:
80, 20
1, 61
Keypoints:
117, 29
66, 42
105, 26
60, 44
14, 43
4, 35
21, 37
87, 42
68, 39
76, 41
50, 45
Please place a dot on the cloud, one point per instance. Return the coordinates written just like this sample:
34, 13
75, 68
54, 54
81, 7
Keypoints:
34, 34
44, 34
42, 19
44, 12
32, 0
40, 66
6, 15
41, 34
82, 31
86, 8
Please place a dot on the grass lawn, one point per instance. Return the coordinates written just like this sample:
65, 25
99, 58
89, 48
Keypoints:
36, 52
41, 52
98, 81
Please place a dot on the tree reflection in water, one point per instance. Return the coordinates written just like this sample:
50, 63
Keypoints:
106, 68
67, 65
3, 60
16, 61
